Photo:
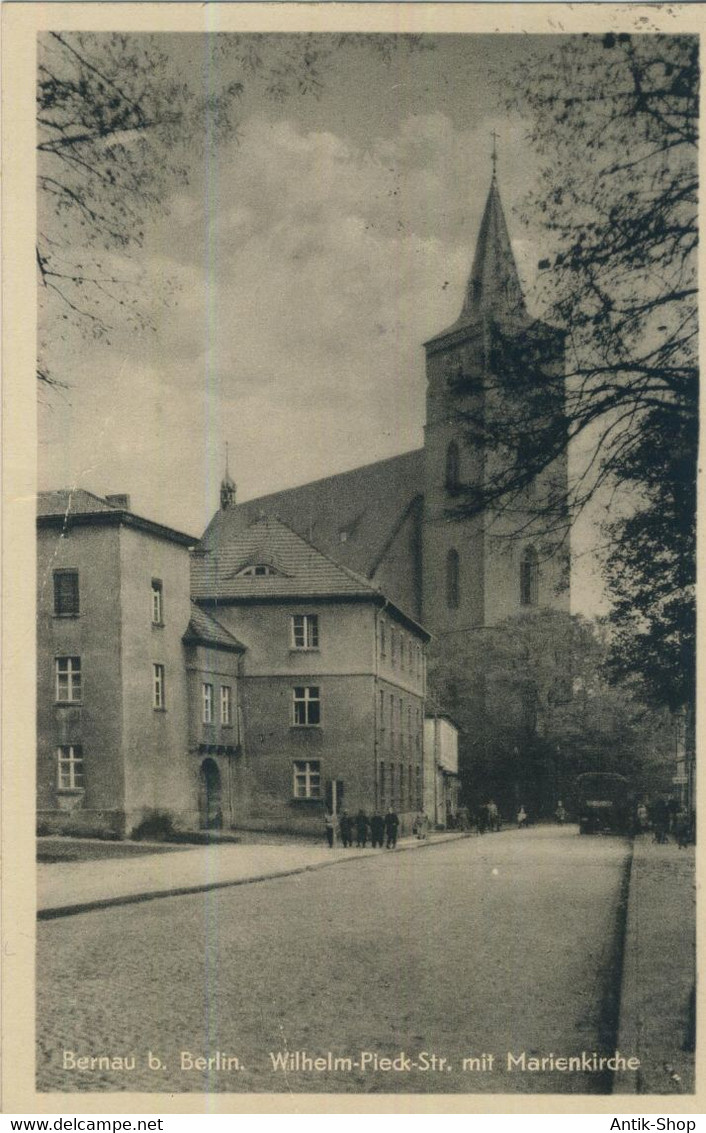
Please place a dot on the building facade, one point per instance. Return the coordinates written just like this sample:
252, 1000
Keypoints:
334, 679
112, 607
242, 707
441, 780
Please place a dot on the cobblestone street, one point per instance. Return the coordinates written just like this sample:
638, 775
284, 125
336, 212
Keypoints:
479, 947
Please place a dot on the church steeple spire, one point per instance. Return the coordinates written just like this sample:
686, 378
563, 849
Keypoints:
494, 286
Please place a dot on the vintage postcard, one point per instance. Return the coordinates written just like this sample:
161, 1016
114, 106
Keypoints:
350, 465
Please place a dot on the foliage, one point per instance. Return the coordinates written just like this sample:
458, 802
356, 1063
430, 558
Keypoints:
535, 710
155, 826
614, 121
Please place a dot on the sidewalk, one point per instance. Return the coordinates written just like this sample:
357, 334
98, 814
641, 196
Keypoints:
659, 970
72, 887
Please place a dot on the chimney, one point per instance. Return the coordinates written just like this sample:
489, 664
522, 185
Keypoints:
120, 501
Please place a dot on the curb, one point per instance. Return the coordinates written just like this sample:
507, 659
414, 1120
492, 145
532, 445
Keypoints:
624, 975
56, 911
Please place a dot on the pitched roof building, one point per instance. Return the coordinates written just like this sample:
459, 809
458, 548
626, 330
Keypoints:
389, 522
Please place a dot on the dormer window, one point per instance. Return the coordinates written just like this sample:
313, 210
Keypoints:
257, 570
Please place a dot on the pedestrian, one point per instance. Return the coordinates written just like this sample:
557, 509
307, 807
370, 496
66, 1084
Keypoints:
420, 826
673, 809
346, 827
521, 817
660, 821
642, 820
392, 823
682, 828
493, 815
361, 829
329, 826
377, 830
560, 813
482, 819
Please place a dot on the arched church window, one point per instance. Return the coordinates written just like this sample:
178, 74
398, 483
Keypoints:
453, 468
452, 586
529, 578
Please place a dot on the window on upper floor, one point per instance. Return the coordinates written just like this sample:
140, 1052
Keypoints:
67, 674
158, 688
453, 468
307, 706
157, 602
305, 631
70, 768
66, 593
452, 580
383, 638
257, 570
206, 703
529, 578
307, 779
393, 647
226, 706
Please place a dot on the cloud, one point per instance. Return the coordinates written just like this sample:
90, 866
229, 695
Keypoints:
302, 273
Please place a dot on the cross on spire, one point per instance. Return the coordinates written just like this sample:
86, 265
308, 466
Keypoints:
494, 154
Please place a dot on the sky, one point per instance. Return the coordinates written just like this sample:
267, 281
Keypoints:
292, 283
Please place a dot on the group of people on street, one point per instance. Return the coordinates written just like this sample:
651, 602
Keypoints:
665, 817
382, 829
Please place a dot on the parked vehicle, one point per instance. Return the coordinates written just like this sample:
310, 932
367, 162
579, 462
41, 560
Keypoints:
603, 803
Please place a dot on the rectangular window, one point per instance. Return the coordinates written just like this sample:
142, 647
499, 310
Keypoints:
382, 715
392, 721
68, 679
207, 703
393, 647
383, 787
305, 631
307, 706
65, 592
307, 779
226, 709
158, 692
383, 639
157, 602
70, 768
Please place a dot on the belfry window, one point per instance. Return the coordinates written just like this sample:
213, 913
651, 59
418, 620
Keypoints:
453, 468
529, 578
452, 584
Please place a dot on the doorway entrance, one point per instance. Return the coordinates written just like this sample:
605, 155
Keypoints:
210, 806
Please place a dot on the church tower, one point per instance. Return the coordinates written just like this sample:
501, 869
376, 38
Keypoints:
483, 567
474, 575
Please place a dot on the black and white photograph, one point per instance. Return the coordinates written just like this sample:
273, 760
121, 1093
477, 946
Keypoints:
365, 509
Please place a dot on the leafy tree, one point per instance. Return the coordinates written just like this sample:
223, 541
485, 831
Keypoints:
535, 710
118, 125
614, 121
